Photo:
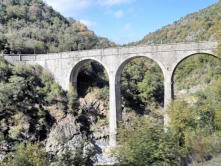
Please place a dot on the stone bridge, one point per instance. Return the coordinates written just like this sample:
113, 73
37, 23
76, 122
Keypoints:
65, 67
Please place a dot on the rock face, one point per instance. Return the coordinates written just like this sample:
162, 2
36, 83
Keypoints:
69, 131
4, 149
65, 133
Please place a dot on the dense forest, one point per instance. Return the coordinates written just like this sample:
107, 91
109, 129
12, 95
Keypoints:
30, 101
38, 117
31, 26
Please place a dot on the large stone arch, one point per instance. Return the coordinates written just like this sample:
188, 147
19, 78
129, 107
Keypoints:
128, 58
175, 65
73, 74
118, 78
75, 69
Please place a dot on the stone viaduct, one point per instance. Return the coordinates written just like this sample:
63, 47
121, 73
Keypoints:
65, 67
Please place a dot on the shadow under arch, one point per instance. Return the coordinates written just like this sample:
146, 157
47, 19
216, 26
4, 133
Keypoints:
73, 80
94, 110
185, 58
118, 79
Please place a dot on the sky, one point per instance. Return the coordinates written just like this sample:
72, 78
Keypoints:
124, 21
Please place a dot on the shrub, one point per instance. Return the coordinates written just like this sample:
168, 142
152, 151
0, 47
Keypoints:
198, 125
28, 155
148, 145
2, 137
198, 145
102, 94
72, 99
15, 131
84, 156
182, 116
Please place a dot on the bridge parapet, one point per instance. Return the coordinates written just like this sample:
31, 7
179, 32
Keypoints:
117, 51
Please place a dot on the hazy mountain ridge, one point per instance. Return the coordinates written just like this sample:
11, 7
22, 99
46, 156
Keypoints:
199, 26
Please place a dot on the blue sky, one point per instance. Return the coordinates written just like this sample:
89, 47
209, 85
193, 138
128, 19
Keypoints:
124, 21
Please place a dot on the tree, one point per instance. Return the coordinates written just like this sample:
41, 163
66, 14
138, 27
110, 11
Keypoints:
29, 154
72, 99
84, 155
148, 145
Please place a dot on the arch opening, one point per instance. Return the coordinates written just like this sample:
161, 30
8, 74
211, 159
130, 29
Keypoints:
87, 74
141, 88
91, 81
197, 104
194, 73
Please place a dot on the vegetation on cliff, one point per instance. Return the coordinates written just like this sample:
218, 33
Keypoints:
193, 133
28, 97
199, 26
24, 94
31, 26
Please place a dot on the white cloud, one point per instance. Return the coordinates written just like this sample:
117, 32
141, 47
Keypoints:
69, 6
113, 2
118, 14
127, 27
88, 23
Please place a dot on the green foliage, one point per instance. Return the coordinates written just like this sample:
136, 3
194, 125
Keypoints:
201, 67
2, 137
37, 28
24, 97
101, 94
24, 87
84, 156
195, 134
198, 125
148, 145
151, 88
28, 155
215, 99
4, 69
182, 116
72, 99
142, 85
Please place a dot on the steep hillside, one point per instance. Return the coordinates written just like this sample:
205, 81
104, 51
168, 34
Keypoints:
200, 26
31, 26
34, 108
